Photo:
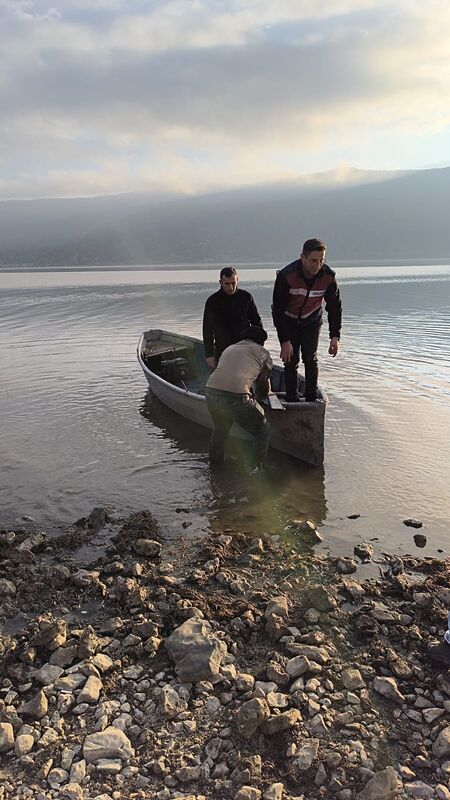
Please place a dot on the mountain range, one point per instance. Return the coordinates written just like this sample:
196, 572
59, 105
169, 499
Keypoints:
366, 216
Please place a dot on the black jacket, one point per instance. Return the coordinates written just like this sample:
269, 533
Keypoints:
224, 319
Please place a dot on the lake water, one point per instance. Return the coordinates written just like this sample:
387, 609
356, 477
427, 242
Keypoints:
79, 428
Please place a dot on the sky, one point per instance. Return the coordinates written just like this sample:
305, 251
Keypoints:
189, 96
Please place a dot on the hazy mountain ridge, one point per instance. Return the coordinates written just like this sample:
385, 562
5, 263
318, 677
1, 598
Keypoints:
397, 215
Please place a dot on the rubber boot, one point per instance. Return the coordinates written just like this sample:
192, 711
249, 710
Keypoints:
311, 378
291, 384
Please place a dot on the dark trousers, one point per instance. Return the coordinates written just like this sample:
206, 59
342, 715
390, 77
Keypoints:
225, 408
304, 340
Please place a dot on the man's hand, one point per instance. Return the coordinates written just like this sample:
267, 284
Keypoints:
211, 361
334, 346
286, 352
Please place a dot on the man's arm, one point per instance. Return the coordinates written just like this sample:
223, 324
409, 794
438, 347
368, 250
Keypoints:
333, 306
253, 314
262, 383
279, 304
208, 333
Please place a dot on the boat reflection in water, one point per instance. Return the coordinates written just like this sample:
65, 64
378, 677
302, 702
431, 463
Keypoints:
229, 496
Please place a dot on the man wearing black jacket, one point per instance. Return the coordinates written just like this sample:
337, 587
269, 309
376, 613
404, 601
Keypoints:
300, 290
227, 312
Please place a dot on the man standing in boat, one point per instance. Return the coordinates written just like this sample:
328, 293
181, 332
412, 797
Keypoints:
227, 312
300, 290
229, 393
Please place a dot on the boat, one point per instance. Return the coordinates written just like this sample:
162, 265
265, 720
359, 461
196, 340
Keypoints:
176, 371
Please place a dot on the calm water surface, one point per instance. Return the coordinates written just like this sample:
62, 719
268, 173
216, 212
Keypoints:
79, 428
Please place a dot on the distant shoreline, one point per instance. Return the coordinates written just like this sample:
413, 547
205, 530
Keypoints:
349, 263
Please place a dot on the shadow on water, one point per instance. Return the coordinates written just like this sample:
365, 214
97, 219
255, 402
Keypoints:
236, 499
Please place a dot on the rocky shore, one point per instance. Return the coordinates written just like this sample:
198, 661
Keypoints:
223, 667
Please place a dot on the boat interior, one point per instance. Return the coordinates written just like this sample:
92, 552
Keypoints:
179, 363
182, 363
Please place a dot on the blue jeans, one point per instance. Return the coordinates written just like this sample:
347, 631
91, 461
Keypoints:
225, 408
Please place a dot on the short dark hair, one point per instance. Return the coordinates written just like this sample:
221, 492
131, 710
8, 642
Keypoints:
227, 272
254, 332
313, 244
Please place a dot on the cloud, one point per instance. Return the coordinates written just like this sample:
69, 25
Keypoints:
202, 94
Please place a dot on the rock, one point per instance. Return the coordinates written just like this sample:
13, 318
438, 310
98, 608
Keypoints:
170, 703
52, 634
277, 700
420, 539
346, 565
57, 776
308, 529
147, 547
47, 674
6, 737
383, 614
281, 722
441, 745
413, 523
23, 744
352, 679
248, 793
77, 771
297, 666
317, 597
63, 656
97, 519
196, 651
37, 707
354, 588
306, 755
69, 683
7, 588
317, 727
274, 792
250, 716
276, 627
84, 578
90, 691
382, 786
244, 682
188, 774
419, 789
388, 688
110, 743
102, 662
318, 654
363, 551
50, 736
72, 791
321, 776
442, 793
277, 606
430, 715
108, 766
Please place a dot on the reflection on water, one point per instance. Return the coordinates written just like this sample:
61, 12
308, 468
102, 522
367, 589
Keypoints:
286, 490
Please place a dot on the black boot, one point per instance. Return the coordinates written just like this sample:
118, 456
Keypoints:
311, 378
291, 384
